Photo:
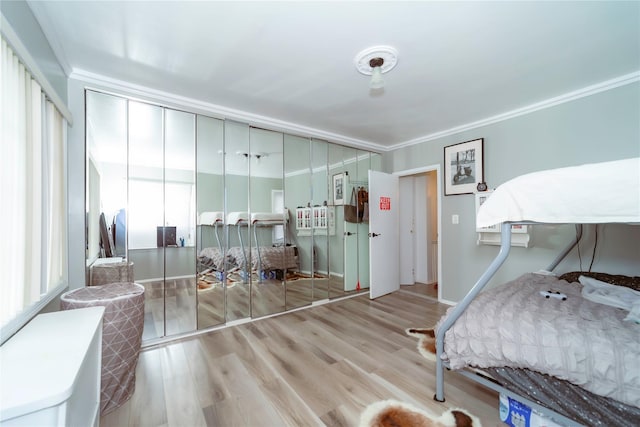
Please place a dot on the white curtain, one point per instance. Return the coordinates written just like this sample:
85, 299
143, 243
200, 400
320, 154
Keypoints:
55, 208
32, 190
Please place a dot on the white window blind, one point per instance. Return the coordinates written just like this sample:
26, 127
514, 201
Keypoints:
33, 193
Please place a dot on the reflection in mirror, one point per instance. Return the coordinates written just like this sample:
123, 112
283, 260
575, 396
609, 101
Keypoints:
361, 184
376, 162
210, 229
352, 230
297, 196
337, 238
180, 218
350, 166
146, 217
320, 219
238, 257
106, 174
270, 257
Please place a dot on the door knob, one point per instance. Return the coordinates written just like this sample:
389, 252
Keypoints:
348, 233
374, 234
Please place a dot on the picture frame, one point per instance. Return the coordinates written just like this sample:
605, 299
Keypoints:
339, 187
463, 167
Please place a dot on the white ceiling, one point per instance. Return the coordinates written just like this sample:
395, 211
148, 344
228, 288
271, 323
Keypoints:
290, 65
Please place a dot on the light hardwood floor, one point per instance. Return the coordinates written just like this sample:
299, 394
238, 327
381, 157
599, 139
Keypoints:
313, 367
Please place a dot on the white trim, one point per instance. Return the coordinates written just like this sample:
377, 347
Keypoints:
255, 120
548, 103
423, 169
152, 344
25, 57
123, 88
446, 301
239, 321
164, 279
52, 37
25, 316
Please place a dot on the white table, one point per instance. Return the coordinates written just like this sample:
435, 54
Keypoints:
50, 370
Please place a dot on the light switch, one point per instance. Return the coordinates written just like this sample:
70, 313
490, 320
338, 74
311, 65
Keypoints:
455, 219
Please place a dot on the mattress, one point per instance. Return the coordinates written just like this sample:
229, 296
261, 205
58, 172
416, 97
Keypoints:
576, 403
212, 258
268, 218
595, 193
272, 257
235, 218
210, 218
515, 325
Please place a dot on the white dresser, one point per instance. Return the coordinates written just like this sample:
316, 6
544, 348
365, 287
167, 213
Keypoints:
50, 371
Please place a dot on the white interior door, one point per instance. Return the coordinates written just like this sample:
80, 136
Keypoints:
406, 223
383, 234
421, 219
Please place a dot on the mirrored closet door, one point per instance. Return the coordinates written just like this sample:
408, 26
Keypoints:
321, 219
238, 255
297, 197
210, 233
270, 257
336, 237
147, 236
220, 221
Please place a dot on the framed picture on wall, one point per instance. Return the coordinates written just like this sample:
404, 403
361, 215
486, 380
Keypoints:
463, 167
338, 188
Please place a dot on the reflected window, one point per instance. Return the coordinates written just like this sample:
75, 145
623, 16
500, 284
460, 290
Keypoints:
147, 212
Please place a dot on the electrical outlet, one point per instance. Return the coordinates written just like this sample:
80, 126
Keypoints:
455, 219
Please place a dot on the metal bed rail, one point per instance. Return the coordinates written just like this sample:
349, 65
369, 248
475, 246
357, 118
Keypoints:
505, 247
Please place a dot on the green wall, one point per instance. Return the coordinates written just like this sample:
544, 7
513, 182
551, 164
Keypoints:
601, 127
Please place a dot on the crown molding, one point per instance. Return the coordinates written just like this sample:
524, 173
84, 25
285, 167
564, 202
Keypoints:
50, 34
548, 103
21, 51
218, 111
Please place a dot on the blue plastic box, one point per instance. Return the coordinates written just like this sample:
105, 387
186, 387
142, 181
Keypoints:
517, 414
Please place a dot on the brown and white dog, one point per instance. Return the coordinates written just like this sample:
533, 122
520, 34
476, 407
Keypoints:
426, 342
391, 413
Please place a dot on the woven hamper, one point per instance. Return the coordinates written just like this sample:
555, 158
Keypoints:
102, 274
121, 336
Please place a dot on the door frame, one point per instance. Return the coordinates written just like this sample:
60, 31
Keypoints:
417, 171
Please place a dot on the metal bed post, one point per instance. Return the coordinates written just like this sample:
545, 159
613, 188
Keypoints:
215, 226
255, 237
505, 246
568, 249
247, 267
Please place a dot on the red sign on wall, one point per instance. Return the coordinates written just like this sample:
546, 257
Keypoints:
385, 203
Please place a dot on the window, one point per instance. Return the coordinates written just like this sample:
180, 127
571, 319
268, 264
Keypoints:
147, 210
33, 212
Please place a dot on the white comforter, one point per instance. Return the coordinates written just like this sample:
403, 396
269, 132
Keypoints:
587, 194
577, 340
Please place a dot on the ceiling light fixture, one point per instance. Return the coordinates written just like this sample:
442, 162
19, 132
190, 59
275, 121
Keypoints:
374, 62
377, 82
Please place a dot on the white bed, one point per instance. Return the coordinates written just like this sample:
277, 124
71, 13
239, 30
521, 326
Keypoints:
211, 218
598, 193
238, 218
607, 192
263, 257
269, 218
